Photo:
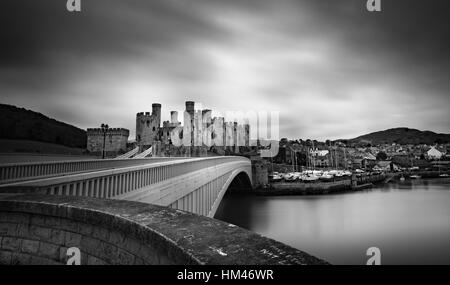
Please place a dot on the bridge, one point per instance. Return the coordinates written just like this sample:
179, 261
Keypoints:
130, 211
195, 185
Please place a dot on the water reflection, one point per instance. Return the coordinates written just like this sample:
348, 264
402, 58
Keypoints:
408, 221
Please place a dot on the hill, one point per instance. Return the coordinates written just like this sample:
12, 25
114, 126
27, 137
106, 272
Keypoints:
21, 124
26, 148
402, 136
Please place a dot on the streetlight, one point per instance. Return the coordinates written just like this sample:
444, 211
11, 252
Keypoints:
104, 128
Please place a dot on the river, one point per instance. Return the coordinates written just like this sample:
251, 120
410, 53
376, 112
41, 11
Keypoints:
408, 221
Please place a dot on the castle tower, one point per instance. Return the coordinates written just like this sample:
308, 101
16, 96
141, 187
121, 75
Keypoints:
148, 126
156, 113
174, 117
206, 127
190, 107
207, 113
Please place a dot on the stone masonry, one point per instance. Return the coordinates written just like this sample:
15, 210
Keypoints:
115, 141
39, 229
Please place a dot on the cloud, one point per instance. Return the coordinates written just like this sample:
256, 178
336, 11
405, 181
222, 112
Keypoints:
332, 69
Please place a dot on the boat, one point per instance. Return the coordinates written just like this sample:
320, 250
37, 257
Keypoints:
310, 178
415, 176
333, 172
340, 174
347, 173
444, 175
317, 173
402, 178
297, 175
326, 177
275, 177
290, 177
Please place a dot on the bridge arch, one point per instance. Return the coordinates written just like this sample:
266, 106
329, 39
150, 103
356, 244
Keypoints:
241, 182
239, 179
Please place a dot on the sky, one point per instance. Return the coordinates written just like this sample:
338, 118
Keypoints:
331, 68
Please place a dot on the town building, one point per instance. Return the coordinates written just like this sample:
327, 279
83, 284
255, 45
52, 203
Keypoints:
433, 153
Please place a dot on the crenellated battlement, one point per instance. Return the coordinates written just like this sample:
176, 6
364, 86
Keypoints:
111, 131
143, 114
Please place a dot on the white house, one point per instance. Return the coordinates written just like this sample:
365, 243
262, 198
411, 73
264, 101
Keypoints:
386, 166
433, 153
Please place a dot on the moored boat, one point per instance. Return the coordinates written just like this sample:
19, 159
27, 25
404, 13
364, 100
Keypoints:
347, 173
326, 177
290, 177
311, 178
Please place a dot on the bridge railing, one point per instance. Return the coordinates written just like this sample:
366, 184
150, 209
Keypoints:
12, 172
113, 182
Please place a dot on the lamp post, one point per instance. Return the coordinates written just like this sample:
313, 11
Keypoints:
104, 128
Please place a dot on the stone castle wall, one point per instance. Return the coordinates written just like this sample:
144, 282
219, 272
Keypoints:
115, 141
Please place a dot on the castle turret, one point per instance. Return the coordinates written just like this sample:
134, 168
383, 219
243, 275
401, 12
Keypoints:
156, 113
174, 117
206, 112
190, 107
148, 126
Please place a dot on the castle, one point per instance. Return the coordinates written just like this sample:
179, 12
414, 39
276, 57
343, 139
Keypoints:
201, 134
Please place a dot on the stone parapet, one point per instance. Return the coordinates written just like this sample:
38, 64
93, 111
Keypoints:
39, 229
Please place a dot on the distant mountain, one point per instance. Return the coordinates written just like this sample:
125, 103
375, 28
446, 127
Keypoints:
402, 136
21, 124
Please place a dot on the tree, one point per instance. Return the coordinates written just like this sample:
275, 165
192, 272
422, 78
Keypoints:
382, 156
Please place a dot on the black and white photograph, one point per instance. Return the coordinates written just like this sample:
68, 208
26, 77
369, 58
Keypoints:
256, 134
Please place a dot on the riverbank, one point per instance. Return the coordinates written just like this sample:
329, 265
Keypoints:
356, 183
299, 188
425, 174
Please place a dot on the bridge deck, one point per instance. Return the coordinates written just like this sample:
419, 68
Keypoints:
192, 184
16, 172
